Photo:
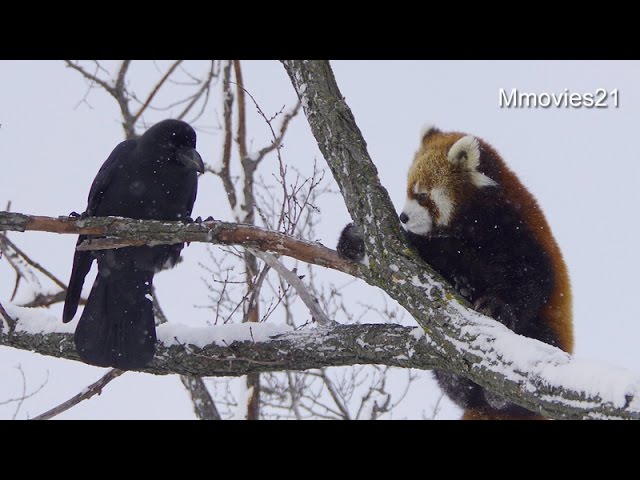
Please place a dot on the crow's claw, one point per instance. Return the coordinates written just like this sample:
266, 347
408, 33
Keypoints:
81, 216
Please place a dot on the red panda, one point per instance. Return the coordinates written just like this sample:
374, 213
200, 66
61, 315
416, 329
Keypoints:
474, 222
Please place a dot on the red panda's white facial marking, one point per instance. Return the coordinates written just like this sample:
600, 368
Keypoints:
444, 173
415, 216
425, 208
444, 205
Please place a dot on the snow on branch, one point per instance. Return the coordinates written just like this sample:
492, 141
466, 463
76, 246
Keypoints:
239, 349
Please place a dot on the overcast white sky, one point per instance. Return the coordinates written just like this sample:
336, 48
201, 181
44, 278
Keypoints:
581, 164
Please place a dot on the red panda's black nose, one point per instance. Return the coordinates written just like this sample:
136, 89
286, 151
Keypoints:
404, 218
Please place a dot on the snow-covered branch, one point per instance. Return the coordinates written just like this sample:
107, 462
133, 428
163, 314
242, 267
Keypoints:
546, 378
239, 349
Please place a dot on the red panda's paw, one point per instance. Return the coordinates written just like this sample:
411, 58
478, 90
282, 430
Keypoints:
497, 309
351, 243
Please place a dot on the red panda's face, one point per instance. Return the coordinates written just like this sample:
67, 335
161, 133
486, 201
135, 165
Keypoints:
443, 172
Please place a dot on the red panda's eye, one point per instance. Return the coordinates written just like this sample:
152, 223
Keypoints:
422, 198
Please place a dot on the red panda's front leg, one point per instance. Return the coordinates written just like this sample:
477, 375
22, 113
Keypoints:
351, 243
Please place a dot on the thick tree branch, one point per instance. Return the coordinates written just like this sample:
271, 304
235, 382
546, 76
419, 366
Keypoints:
291, 350
343, 345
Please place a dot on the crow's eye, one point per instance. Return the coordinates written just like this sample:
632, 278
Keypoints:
422, 198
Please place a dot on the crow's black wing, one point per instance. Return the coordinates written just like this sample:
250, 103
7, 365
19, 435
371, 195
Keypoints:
82, 260
101, 183
192, 198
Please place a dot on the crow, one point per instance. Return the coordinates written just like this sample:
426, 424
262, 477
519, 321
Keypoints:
153, 177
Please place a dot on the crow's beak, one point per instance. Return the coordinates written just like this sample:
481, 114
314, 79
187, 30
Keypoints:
191, 159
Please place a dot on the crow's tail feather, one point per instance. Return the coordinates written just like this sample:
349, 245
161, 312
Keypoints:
117, 326
81, 266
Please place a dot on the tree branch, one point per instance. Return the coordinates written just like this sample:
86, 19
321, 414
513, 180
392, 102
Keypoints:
203, 404
225, 170
91, 77
343, 345
5, 240
131, 232
11, 323
241, 139
284, 350
155, 90
85, 394
292, 279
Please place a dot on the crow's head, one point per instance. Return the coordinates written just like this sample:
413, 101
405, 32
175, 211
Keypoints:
173, 140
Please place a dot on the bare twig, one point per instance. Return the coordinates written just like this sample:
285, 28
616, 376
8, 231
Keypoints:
24, 395
277, 138
204, 90
87, 393
203, 404
4, 239
337, 398
155, 90
297, 284
117, 91
10, 321
48, 299
91, 77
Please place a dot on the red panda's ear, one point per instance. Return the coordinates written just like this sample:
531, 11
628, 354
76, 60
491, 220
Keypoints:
466, 153
428, 130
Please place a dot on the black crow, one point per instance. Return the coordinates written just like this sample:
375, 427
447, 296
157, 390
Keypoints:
152, 177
